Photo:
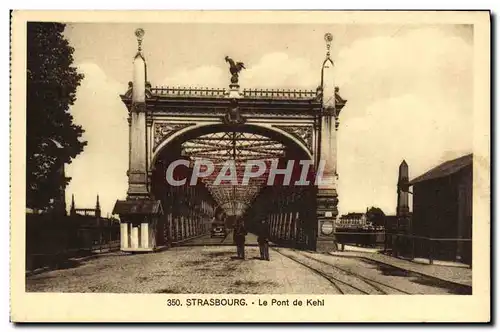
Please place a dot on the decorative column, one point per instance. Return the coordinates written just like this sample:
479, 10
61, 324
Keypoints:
402, 212
138, 210
326, 157
403, 208
137, 174
134, 237
145, 235
124, 243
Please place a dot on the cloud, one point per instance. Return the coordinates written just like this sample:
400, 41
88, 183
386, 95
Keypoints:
203, 76
372, 147
273, 70
279, 70
409, 98
101, 167
422, 61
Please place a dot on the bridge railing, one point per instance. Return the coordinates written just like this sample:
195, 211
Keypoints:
279, 93
188, 92
221, 92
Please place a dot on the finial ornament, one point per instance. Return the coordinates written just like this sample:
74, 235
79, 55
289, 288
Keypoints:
139, 33
234, 69
328, 39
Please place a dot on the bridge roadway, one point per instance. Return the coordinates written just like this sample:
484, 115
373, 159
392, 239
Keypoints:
205, 240
210, 265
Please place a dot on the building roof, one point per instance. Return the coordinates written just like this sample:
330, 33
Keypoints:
139, 206
445, 169
352, 215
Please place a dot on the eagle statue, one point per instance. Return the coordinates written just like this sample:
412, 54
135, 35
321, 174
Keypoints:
234, 69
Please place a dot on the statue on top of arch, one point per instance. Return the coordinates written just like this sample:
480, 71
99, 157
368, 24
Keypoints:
234, 69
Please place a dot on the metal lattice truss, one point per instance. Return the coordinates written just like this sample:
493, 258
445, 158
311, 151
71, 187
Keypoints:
236, 148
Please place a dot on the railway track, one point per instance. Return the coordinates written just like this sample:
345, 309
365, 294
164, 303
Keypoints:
332, 280
353, 283
365, 279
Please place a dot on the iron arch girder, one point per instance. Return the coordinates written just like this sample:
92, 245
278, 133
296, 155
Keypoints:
194, 131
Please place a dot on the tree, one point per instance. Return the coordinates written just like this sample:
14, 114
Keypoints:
376, 216
52, 138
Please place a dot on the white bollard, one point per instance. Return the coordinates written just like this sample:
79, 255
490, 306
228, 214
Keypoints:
144, 235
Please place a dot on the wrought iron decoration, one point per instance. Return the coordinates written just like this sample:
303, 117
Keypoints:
234, 69
233, 115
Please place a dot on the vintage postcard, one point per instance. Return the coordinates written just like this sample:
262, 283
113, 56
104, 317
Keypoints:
250, 166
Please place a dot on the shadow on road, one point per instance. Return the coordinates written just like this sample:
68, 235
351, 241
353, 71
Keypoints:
217, 254
450, 287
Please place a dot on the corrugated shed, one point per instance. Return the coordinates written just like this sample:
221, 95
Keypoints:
445, 169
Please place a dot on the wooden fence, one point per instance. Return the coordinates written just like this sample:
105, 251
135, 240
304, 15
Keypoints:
413, 246
52, 241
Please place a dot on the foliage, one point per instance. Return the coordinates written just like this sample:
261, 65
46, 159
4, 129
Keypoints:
52, 138
376, 216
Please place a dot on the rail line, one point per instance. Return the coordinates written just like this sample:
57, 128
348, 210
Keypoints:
365, 279
333, 281
372, 283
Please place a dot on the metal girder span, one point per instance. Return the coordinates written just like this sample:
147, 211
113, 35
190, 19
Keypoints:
237, 148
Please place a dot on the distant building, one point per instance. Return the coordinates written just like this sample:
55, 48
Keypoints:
352, 220
442, 208
92, 228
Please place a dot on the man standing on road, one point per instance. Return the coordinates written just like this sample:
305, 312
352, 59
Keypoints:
239, 238
263, 240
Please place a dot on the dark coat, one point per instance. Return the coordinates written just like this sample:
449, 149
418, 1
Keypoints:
263, 235
239, 234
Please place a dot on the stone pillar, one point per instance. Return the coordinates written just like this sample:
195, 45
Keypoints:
149, 149
403, 187
326, 158
134, 237
124, 235
144, 235
137, 174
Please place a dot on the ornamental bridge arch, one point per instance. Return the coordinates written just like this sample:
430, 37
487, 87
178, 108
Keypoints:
171, 123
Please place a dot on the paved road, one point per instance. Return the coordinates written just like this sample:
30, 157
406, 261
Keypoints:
251, 239
204, 240
215, 269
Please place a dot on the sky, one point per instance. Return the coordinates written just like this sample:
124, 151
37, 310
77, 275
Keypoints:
409, 92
